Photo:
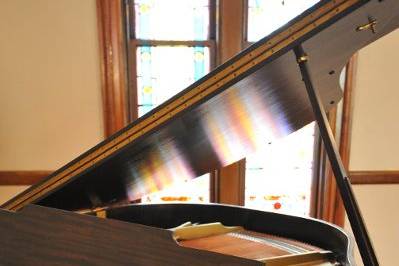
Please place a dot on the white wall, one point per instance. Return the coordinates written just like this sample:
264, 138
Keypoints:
50, 91
375, 142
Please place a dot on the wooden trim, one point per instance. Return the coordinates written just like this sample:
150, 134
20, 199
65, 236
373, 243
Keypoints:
230, 30
130, 22
214, 186
374, 177
22, 178
346, 122
333, 208
230, 180
133, 98
317, 193
326, 188
345, 135
113, 65
213, 10
231, 184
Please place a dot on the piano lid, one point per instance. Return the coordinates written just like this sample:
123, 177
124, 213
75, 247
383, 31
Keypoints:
254, 98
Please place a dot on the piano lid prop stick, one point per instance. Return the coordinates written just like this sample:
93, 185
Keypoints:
355, 218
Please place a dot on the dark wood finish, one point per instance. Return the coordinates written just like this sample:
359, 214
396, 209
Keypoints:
297, 229
22, 178
374, 177
44, 236
113, 65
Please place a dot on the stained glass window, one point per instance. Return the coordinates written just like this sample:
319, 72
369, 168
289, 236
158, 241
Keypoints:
172, 19
278, 178
163, 71
265, 16
172, 50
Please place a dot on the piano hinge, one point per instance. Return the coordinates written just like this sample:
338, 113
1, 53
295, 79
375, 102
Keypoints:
303, 58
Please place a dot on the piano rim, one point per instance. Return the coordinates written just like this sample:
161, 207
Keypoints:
302, 229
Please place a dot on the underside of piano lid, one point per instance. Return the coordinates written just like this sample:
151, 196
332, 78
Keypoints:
253, 99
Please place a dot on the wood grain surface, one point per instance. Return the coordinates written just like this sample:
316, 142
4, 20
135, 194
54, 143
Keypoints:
44, 236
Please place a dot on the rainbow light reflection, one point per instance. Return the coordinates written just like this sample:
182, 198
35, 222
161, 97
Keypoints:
164, 167
243, 124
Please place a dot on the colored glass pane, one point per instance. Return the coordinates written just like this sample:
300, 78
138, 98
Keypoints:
172, 19
278, 177
265, 16
163, 71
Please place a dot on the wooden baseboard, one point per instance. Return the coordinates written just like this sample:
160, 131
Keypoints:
22, 178
374, 177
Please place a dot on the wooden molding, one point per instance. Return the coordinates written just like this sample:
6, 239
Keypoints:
230, 29
113, 64
323, 185
333, 208
229, 181
374, 177
22, 178
231, 184
345, 136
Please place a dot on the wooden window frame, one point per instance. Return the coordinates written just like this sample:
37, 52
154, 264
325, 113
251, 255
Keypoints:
113, 64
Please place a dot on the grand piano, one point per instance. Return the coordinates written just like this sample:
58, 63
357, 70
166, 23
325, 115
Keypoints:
84, 213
